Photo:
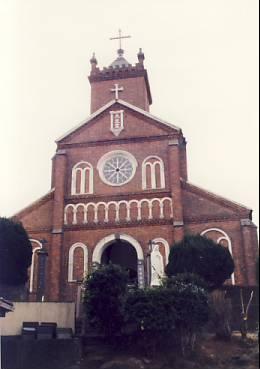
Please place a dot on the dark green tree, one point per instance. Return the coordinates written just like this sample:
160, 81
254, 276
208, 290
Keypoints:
15, 253
105, 292
202, 256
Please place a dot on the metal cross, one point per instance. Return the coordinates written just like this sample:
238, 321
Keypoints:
116, 90
120, 37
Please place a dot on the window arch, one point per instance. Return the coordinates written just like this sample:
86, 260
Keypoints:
223, 236
71, 265
162, 241
82, 179
153, 173
36, 245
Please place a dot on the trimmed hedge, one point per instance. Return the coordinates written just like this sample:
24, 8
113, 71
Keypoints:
150, 316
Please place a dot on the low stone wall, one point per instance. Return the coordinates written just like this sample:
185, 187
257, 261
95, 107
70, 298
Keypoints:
61, 313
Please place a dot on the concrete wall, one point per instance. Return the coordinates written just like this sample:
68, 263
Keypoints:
61, 313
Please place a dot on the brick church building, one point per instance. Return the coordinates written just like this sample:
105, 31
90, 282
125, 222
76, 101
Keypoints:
120, 193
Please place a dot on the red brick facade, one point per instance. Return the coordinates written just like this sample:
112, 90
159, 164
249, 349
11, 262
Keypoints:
84, 214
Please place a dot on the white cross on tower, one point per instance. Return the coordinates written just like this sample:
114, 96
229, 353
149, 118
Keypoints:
116, 90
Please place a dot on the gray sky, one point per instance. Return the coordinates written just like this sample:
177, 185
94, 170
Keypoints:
202, 60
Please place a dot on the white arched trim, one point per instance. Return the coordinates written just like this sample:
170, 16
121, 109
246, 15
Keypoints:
71, 260
224, 237
118, 206
38, 247
105, 242
147, 163
166, 247
83, 167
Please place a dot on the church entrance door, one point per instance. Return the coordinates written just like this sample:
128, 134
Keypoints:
123, 250
122, 253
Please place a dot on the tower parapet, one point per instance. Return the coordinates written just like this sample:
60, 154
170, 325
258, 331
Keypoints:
133, 78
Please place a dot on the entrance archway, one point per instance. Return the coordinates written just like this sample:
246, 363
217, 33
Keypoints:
123, 250
124, 254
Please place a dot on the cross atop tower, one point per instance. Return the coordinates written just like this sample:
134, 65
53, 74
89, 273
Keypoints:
120, 37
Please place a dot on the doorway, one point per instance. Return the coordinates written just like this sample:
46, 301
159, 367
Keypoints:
122, 253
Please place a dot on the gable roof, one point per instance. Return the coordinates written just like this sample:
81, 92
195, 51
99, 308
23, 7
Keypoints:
34, 205
108, 105
215, 198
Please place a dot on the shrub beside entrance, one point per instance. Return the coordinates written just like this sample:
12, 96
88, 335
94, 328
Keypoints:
150, 316
104, 299
159, 315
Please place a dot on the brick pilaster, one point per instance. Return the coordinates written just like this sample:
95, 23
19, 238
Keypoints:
60, 163
250, 243
176, 191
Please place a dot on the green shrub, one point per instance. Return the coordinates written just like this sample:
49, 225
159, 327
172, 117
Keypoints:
151, 315
185, 278
159, 314
105, 292
151, 318
151, 310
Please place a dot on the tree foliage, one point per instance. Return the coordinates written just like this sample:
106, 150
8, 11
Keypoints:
15, 253
185, 278
202, 256
104, 299
149, 317
257, 271
151, 310
179, 310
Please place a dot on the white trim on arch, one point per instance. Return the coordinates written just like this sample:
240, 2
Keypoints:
83, 178
71, 260
39, 247
106, 241
224, 237
147, 163
166, 247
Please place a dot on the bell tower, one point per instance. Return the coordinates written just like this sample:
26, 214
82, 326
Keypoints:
121, 80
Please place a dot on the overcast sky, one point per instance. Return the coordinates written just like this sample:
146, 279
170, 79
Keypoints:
202, 60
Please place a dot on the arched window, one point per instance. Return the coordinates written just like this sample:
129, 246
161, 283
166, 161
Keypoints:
36, 246
153, 174
222, 238
78, 262
82, 179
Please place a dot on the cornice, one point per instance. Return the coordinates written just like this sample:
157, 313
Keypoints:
39, 230
122, 141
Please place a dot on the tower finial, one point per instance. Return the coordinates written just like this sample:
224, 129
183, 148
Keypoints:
93, 61
140, 56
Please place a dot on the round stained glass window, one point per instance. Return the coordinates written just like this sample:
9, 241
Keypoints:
117, 169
